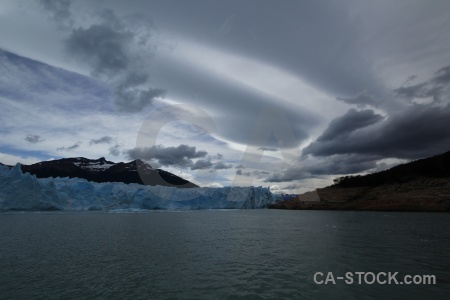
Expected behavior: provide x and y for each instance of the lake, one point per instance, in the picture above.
(221, 254)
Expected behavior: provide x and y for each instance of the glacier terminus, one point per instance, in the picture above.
(22, 191)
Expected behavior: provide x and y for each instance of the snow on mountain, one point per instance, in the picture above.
(93, 165)
(23, 191)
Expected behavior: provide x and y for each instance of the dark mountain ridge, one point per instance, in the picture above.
(102, 170)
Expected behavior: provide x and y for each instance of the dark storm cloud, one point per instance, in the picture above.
(361, 99)
(358, 140)
(348, 123)
(33, 138)
(438, 88)
(180, 156)
(59, 11)
(103, 140)
(420, 131)
(110, 49)
(74, 146)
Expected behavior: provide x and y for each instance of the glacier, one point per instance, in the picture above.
(22, 191)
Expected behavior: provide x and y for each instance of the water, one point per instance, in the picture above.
(240, 254)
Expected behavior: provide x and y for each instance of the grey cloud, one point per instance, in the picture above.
(336, 52)
(110, 48)
(240, 172)
(442, 76)
(130, 99)
(361, 99)
(354, 142)
(180, 156)
(346, 124)
(59, 11)
(255, 173)
(221, 166)
(330, 51)
(438, 88)
(114, 150)
(208, 164)
(326, 50)
(344, 164)
(32, 138)
(260, 174)
(422, 90)
(102, 47)
(74, 146)
(202, 164)
(420, 131)
(102, 140)
(240, 118)
(331, 165)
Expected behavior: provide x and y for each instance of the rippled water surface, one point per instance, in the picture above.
(234, 254)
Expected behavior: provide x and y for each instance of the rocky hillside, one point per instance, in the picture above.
(433, 167)
(101, 170)
(422, 185)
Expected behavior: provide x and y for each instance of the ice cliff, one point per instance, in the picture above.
(22, 191)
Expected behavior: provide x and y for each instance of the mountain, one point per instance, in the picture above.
(421, 185)
(102, 170)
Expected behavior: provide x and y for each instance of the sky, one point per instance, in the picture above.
(283, 94)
